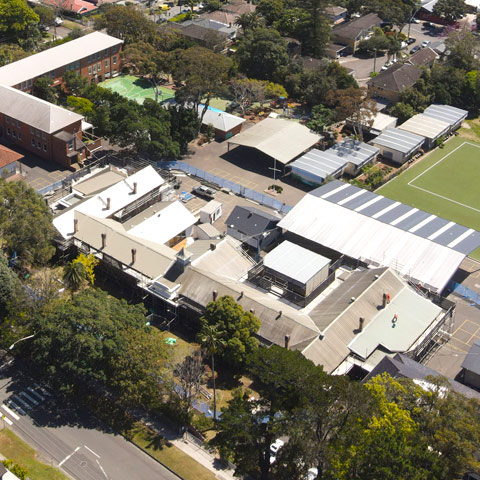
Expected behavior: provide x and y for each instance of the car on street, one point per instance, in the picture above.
(415, 49)
(425, 44)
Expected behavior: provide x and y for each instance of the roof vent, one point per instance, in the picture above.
(104, 240)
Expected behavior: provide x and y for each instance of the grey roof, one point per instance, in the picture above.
(472, 360)
(354, 28)
(35, 112)
(446, 113)
(402, 366)
(320, 163)
(334, 11)
(406, 218)
(295, 262)
(56, 57)
(423, 57)
(281, 139)
(250, 220)
(399, 140)
(397, 78)
(99, 182)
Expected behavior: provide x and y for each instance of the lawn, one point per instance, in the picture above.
(13, 448)
(169, 455)
(445, 183)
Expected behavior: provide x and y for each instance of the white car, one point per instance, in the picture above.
(416, 20)
(274, 448)
(425, 44)
(311, 474)
(58, 21)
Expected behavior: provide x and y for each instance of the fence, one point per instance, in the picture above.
(467, 293)
(223, 183)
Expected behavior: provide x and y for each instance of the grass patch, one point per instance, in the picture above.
(181, 349)
(12, 447)
(168, 454)
(454, 178)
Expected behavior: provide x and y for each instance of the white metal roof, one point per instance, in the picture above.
(211, 207)
(425, 126)
(379, 231)
(446, 113)
(164, 225)
(222, 121)
(381, 121)
(35, 112)
(295, 262)
(399, 140)
(414, 315)
(56, 57)
(120, 194)
(281, 139)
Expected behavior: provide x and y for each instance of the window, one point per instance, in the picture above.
(39, 145)
(94, 69)
(7, 120)
(99, 55)
(99, 66)
(77, 64)
(32, 131)
(8, 131)
(18, 123)
(19, 135)
(106, 53)
(115, 49)
(43, 135)
(115, 60)
(89, 70)
(37, 132)
(44, 147)
(106, 63)
(30, 83)
(14, 134)
(24, 85)
(33, 142)
(70, 145)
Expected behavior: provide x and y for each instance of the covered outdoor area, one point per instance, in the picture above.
(282, 140)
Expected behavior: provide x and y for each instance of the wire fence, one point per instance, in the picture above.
(258, 197)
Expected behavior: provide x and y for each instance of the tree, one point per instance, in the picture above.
(190, 374)
(184, 126)
(16, 469)
(25, 223)
(127, 23)
(464, 51)
(403, 111)
(43, 88)
(16, 17)
(261, 53)
(83, 106)
(237, 328)
(9, 285)
(213, 5)
(320, 118)
(11, 53)
(249, 21)
(74, 275)
(74, 83)
(210, 338)
(46, 15)
(202, 75)
(376, 43)
(313, 28)
(450, 10)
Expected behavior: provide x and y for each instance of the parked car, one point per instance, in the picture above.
(204, 191)
(415, 20)
(274, 448)
(415, 49)
(429, 25)
(58, 21)
(425, 44)
(411, 40)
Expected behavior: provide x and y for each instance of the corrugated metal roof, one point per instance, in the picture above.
(425, 126)
(380, 231)
(283, 140)
(35, 112)
(295, 262)
(446, 113)
(56, 57)
(220, 120)
(399, 140)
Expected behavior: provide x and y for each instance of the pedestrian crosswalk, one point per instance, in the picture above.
(22, 402)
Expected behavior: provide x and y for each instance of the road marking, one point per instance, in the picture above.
(6, 419)
(68, 456)
(11, 412)
(101, 468)
(33, 392)
(31, 399)
(91, 451)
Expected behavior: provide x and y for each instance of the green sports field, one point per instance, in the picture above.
(137, 89)
(445, 183)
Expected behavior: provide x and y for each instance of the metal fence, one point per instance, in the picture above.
(258, 197)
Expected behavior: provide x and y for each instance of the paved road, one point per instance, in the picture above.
(74, 442)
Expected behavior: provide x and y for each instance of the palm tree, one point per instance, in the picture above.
(249, 21)
(210, 337)
(74, 275)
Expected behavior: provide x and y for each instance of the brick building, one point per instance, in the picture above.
(47, 130)
(95, 56)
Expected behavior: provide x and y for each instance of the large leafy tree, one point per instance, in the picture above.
(11, 53)
(43, 88)
(235, 327)
(16, 17)
(9, 285)
(202, 75)
(450, 10)
(262, 53)
(25, 223)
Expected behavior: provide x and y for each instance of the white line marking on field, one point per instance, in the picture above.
(11, 412)
(68, 456)
(101, 468)
(410, 183)
(91, 451)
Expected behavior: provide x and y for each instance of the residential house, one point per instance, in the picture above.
(425, 57)
(95, 56)
(353, 32)
(336, 14)
(78, 7)
(226, 125)
(390, 83)
(9, 161)
(239, 7)
(49, 131)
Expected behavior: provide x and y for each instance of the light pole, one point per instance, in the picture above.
(21, 340)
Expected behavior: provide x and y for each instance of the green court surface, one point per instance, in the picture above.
(445, 183)
(137, 89)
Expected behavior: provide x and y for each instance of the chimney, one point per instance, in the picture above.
(241, 295)
(75, 225)
(214, 295)
(134, 188)
(252, 310)
(213, 246)
(134, 255)
(104, 240)
(287, 341)
(108, 203)
(361, 320)
(384, 300)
